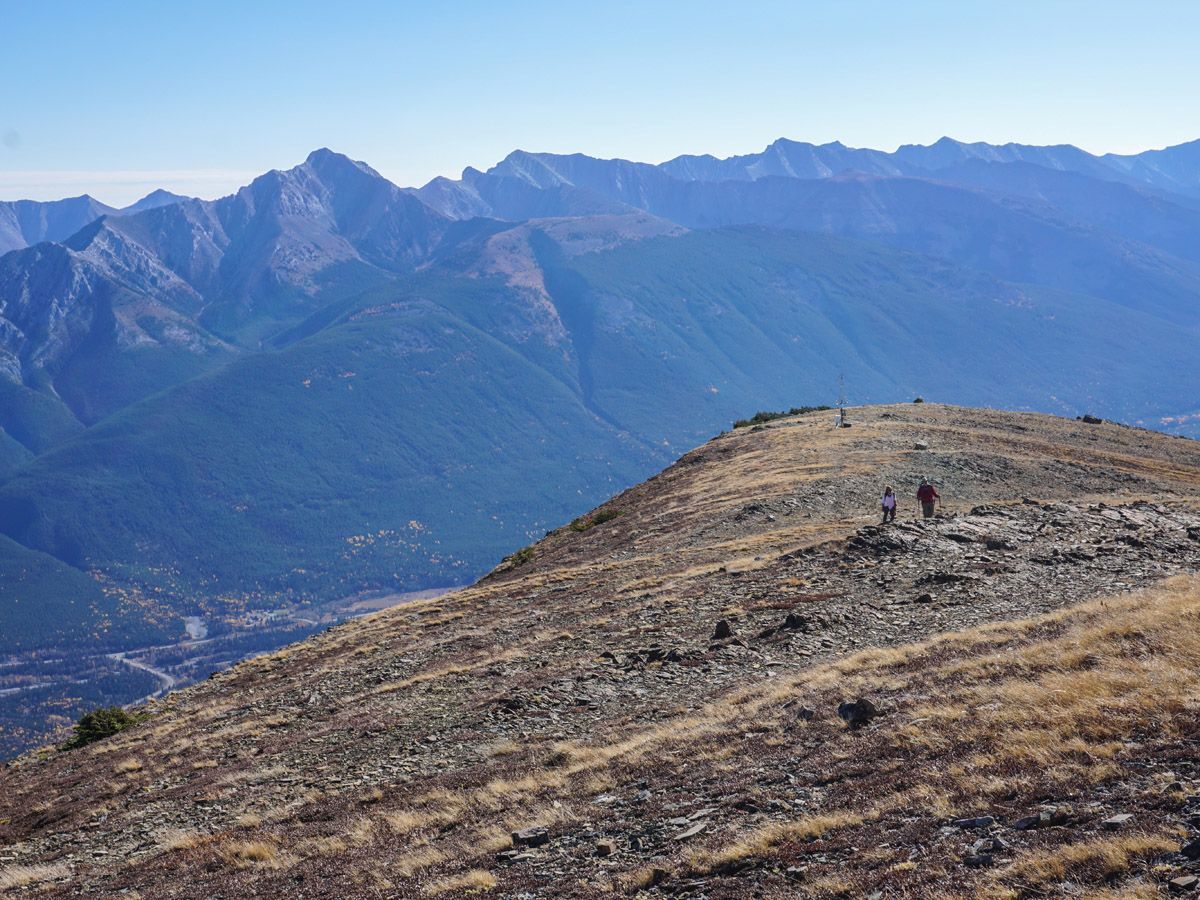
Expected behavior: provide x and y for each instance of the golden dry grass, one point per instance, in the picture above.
(361, 831)
(1041, 700)
(1094, 860)
(128, 766)
(416, 860)
(1069, 700)
(475, 881)
(1127, 892)
(15, 877)
(761, 841)
(172, 839)
(405, 821)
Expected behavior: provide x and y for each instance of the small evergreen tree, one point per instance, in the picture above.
(99, 724)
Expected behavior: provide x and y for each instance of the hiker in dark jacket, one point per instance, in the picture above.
(889, 505)
(927, 495)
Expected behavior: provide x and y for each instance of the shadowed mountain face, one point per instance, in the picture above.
(325, 384)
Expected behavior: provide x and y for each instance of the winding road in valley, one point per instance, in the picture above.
(167, 681)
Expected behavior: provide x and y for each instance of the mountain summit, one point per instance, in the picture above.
(153, 200)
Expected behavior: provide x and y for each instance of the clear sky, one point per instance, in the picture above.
(114, 98)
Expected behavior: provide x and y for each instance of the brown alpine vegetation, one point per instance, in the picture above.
(729, 681)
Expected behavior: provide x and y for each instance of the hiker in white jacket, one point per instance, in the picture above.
(889, 505)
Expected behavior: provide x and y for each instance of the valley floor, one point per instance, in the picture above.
(649, 700)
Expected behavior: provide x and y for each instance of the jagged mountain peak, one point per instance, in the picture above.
(322, 171)
(331, 162)
(326, 187)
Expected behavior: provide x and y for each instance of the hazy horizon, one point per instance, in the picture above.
(108, 100)
(122, 188)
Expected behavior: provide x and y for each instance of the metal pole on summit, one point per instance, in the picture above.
(841, 401)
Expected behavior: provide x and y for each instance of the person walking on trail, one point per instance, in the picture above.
(927, 495)
(889, 505)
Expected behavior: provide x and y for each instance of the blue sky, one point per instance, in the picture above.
(117, 98)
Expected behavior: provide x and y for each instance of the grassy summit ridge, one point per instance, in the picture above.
(652, 703)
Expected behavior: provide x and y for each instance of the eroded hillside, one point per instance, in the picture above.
(648, 698)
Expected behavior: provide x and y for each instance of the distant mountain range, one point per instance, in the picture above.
(26, 222)
(326, 384)
(526, 185)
